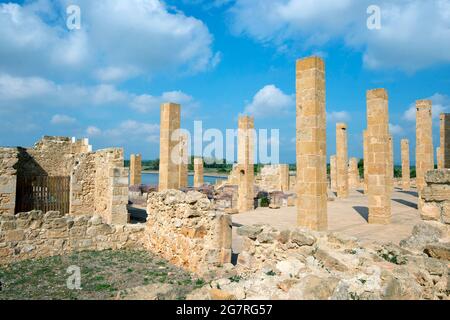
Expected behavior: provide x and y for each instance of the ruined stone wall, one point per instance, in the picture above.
(8, 179)
(183, 228)
(36, 234)
(436, 196)
(111, 185)
(82, 185)
(274, 178)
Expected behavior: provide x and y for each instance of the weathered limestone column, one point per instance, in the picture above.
(406, 181)
(184, 157)
(311, 144)
(284, 177)
(445, 140)
(342, 160)
(135, 169)
(353, 173)
(333, 173)
(424, 143)
(168, 163)
(390, 164)
(378, 153)
(440, 158)
(246, 173)
(366, 156)
(198, 172)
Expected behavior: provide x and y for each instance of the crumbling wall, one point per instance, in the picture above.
(36, 234)
(436, 196)
(82, 185)
(183, 228)
(274, 178)
(8, 179)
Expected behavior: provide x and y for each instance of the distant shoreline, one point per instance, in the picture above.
(206, 174)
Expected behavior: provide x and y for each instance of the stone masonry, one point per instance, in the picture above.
(379, 191)
(198, 172)
(135, 169)
(390, 164)
(274, 177)
(406, 180)
(184, 161)
(8, 180)
(353, 174)
(445, 140)
(311, 155)
(366, 156)
(342, 160)
(168, 152)
(424, 143)
(333, 173)
(246, 138)
(35, 234)
(436, 196)
(184, 229)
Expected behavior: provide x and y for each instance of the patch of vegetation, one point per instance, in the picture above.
(265, 202)
(271, 273)
(103, 275)
(235, 278)
(391, 257)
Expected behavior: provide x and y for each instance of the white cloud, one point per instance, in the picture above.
(414, 34)
(62, 119)
(118, 40)
(440, 104)
(270, 101)
(128, 131)
(338, 116)
(395, 129)
(148, 103)
(93, 131)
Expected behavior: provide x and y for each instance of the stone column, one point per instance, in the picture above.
(333, 173)
(378, 153)
(342, 160)
(366, 156)
(198, 172)
(424, 143)
(445, 140)
(353, 174)
(390, 164)
(135, 169)
(183, 168)
(284, 177)
(168, 159)
(406, 183)
(311, 144)
(245, 166)
(440, 158)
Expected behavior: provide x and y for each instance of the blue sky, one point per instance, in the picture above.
(218, 58)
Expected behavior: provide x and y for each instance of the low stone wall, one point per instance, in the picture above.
(435, 196)
(184, 229)
(36, 234)
(8, 180)
(273, 178)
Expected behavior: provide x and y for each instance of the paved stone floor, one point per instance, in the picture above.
(347, 216)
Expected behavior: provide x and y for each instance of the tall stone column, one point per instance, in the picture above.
(342, 160)
(445, 140)
(366, 156)
(378, 154)
(135, 169)
(311, 144)
(353, 173)
(246, 173)
(184, 157)
(406, 181)
(424, 143)
(333, 173)
(440, 158)
(168, 157)
(390, 164)
(284, 177)
(198, 172)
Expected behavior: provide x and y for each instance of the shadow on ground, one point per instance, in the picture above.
(363, 212)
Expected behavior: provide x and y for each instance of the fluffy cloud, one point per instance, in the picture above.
(62, 119)
(270, 101)
(338, 116)
(395, 129)
(441, 104)
(117, 40)
(128, 131)
(414, 34)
